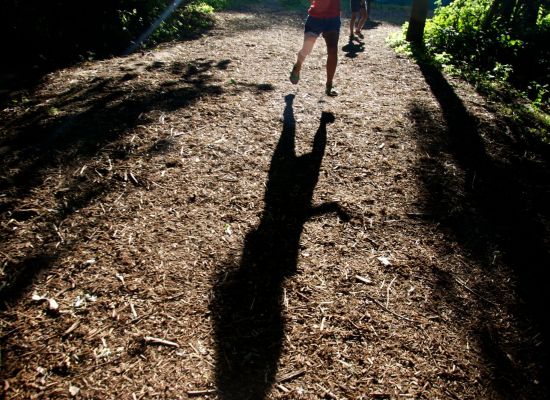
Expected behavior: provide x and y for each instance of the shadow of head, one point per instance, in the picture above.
(370, 24)
(353, 49)
(327, 117)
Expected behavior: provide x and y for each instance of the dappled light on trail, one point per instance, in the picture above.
(185, 222)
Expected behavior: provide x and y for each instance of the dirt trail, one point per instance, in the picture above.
(388, 243)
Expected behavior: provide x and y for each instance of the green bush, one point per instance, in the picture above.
(488, 50)
(186, 21)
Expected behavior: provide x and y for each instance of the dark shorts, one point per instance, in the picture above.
(356, 5)
(316, 26)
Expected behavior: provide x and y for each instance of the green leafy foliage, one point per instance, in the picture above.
(186, 22)
(507, 63)
(492, 48)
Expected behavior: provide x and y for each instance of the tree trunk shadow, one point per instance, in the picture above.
(497, 208)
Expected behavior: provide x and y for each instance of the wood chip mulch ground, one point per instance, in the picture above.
(184, 222)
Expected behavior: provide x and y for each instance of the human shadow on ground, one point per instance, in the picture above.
(352, 49)
(371, 24)
(498, 209)
(249, 322)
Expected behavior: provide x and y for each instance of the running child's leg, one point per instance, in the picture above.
(355, 6)
(331, 40)
(362, 20)
(307, 47)
(352, 25)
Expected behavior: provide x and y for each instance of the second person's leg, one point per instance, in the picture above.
(362, 20)
(352, 25)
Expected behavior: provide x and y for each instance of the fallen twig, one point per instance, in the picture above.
(290, 376)
(388, 292)
(391, 312)
(368, 281)
(282, 388)
(71, 328)
(201, 392)
(134, 179)
(328, 393)
(474, 292)
(154, 340)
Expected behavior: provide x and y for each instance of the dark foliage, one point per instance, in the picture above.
(45, 34)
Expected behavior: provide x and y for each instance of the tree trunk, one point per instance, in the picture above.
(530, 13)
(501, 11)
(419, 13)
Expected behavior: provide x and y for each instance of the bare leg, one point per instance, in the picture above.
(352, 24)
(307, 47)
(362, 20)
(331, 39)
